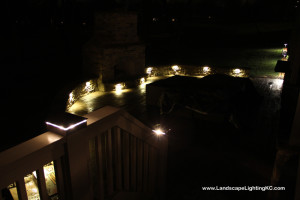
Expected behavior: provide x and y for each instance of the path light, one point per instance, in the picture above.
(71, 97)
(206, 69)
(142, 81)
(237, 71)
(88, 86)
(175, 68)
(119, 88)
(149, 70)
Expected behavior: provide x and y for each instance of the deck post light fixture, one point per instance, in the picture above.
(65, 123)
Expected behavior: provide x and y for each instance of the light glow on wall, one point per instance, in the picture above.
(66, 128)
(158, 132)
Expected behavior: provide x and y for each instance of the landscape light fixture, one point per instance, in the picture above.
(119, 87)
(237, 71)
(65, 123)
(149, 70)
(158, 132)
(175, 68)
(206, 69)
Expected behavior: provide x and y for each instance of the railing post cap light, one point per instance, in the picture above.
(64, 123)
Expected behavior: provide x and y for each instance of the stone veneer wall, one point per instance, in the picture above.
(114, 53)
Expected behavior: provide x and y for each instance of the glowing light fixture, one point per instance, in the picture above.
(237, 71)
(206, 69)
(71, 97)
(158, 132)
(65, 123)
(175, 68)
(88, 87)
(142, 81)
(66, 128)
(149, 70)
(119, 87)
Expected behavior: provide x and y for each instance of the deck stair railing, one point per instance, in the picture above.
(114, 157)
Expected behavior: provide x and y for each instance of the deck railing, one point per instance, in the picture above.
(114, 157)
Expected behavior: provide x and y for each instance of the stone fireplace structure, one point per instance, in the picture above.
(115, 52)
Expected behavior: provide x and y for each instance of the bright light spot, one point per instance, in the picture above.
(34, 190)
(149, 70)
(154, 19)
(118, 88)
(278, 84)
(285, 44)
(158, 132)
(34, 174)
(71, 97)
(88, 87)
(66, 128)
(206, 69)
(142, 81)
(237, 71)
(175, 68)
(173, 20)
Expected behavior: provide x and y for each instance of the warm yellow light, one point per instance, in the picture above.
(142, 81)
(149, 70)
(237, 71)
(34, 190)
(88, 86)
(118, 88)
(175, 68)
(66, 128)
(206, 69)
(158, 132)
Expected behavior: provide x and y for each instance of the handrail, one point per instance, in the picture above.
(131, 146)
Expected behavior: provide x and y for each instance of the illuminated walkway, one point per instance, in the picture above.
(202, 152)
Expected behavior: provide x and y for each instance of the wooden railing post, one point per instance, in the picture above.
(153, 176)
(110, 177)
(21, 189)
(140, 166)
(146, 167)
(42, 184)
(126, 160)
(101, 165)
(162, 167)
(59, 176)
(133, 161)
(78, 157)
(118, 160)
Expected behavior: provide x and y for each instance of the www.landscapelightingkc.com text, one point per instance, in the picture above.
(243, 188)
